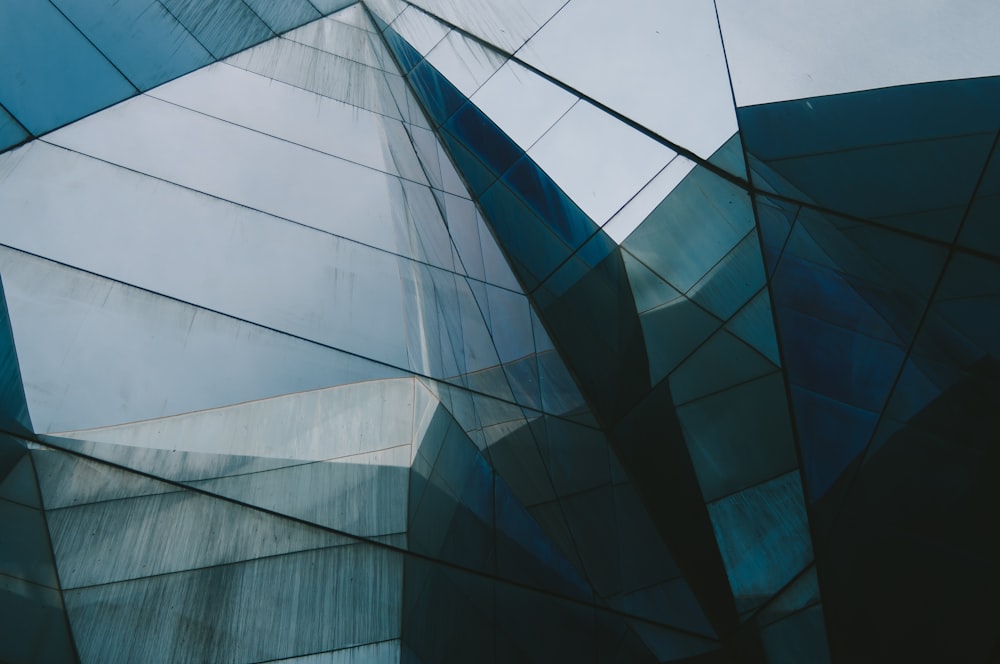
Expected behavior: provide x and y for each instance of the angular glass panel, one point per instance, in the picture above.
(693, 228)
(24, 545)
(284, 14)
(52, 75)
(14, 415)
(754, 324)
(11, 131)
(721, 362)
(328, 6)
(329, 599)
(35, 615)
(690, 105)
(504, 24)
(733, 281)
(223, 26)
(438, 96)
(672, 331)
(338, 38)
(980, 228)
(320, 72)
(739, 437)
(540, 103)
(599, 161)
(763, 534)
(295, 115)
(464, 62)
(142, 39)
(17, 476)
(638, 209)
(131, 355)
(800, 593)
(797, 638)
(419, 30)
(780, 50)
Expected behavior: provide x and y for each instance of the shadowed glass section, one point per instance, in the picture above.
(11, 131)
(14, 416)
(31, 604)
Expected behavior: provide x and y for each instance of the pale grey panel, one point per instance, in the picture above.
(467, 64)
(522, 103)
(497, 268)
(504, 23)
(320, 72)
(597, 160)
(67, 480)
(460, 214)
(339, 38)
(781, 49)
(510, 316)
(95, 352)
(763, 535)
(293, 114)
(238, 262)
(666, 70)
(261, 610)
(636, 211)
(315, 425)
(354, 16)
(419, 30)
(424, 229)
(239, 165)
(136, 537)
(363, 496)
(170, 464)
(386, 10)
(386, 652)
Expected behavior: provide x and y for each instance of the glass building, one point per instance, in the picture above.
(499, 331)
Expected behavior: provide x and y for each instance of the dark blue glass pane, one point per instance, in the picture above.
(838, 363)
(14, 416)
(222, 26)
(872, 117)
(549, 202)
(438, 96)
(406, 55)
(477, 177)
(524, 237)
(481, 136)
(982, 226)
(282, 15)
(143, 39)
(51, 74)
(831, 435)
(11, 132)
(774, 220)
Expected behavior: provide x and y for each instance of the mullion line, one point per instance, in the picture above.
(372, 542)
(953, 250)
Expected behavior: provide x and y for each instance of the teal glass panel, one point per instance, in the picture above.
(142, 38)
(223, 27)
(14, 416)
(52, 75)
(11, 131)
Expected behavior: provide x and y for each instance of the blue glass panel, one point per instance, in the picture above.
(439, 97)
(733, 281)
(11, 131)
(282, 15)
(14, 416)
(763, 534)
(34, 625)
(837, 362)
(982, 226)
(480, 135)
(730, 157)
(774, 219)
(673, 331)
(222, 26)
(525, 553)
(550, 203)
(888, 115)
(798, 638)
(17, 474)
(143, 39)
(406, 55)
(51, 74)
(754, 324)
(25, 552)
(831, 435)
(721, 362)
(477, 177)
(524, 237)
